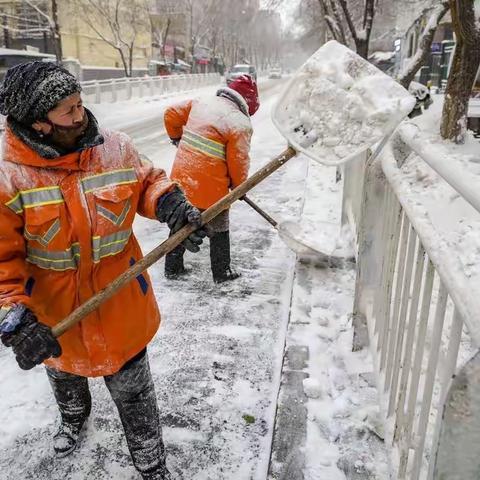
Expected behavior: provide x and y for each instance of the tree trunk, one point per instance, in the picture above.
(333, 20)
(421, 57)
(164, 39)
(57, 39)
(130, 60)
(361, 46)
(457, 95)
(462, 76)
(361, 38)
(124, 61)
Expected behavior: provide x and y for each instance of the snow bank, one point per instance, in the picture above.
(338, 105)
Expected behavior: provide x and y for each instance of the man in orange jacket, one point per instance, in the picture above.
(69, 193)
(213, 139)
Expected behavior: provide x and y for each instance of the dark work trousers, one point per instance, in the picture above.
(217, 228)
(133, 392)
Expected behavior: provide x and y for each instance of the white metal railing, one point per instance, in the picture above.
(121, 89)
(415, 302)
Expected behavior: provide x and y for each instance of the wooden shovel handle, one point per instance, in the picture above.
(169, 244)
(264, 214)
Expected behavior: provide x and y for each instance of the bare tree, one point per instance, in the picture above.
(54, 27)
(117, 23)
(348, 21)
(333, 18)
(435, 13)
(200, 21)
(361, 36)
(466, 61)
(165, 37)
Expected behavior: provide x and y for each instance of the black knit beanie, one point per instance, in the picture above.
(30, 90)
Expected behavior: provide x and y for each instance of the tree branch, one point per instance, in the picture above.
(348, 17)
(43, 14)
(338, 18)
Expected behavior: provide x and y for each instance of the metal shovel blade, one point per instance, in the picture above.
(338, 105)
(308, 252)
(292, 235)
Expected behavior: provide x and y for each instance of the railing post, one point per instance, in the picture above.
(98, 92)
(114, 91)
(151, 81)
(459, 444)
(129, 88)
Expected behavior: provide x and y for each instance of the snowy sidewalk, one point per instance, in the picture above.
(327, 389)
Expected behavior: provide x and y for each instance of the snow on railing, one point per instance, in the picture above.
(415, 301)
(120, 89)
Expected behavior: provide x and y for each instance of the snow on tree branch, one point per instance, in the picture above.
(421, 56)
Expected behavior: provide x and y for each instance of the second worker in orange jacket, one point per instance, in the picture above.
(213, 138)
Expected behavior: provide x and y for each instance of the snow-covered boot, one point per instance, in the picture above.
(66, 439)
(174, 267)
(161, 474)
(220, 258)
(134, 395)
(74, 402)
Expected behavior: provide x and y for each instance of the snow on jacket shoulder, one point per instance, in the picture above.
(66, 233)
(213, 155)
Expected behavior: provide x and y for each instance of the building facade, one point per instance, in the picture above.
(87, 35)
(438, 66)
(85, 30)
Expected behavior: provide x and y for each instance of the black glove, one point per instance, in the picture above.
(174, 209)
(32, 342)
(175, 141)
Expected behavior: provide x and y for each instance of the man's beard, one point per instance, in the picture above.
(67, 137)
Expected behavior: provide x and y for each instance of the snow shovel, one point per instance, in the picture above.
(319, 114)
(289, 233)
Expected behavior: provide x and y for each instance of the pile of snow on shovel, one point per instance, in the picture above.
(338, 105)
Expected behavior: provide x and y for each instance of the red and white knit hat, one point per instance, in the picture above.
(247, 88)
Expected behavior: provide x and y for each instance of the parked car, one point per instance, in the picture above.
(239, 70)
(275, 72)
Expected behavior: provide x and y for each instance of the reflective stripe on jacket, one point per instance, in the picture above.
(213, 155)
(66, 233)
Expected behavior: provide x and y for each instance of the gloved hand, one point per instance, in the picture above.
(32, 342)
(175, 141)
(177, 211)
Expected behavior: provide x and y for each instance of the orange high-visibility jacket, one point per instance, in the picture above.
(66, 233)
(213, 154)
